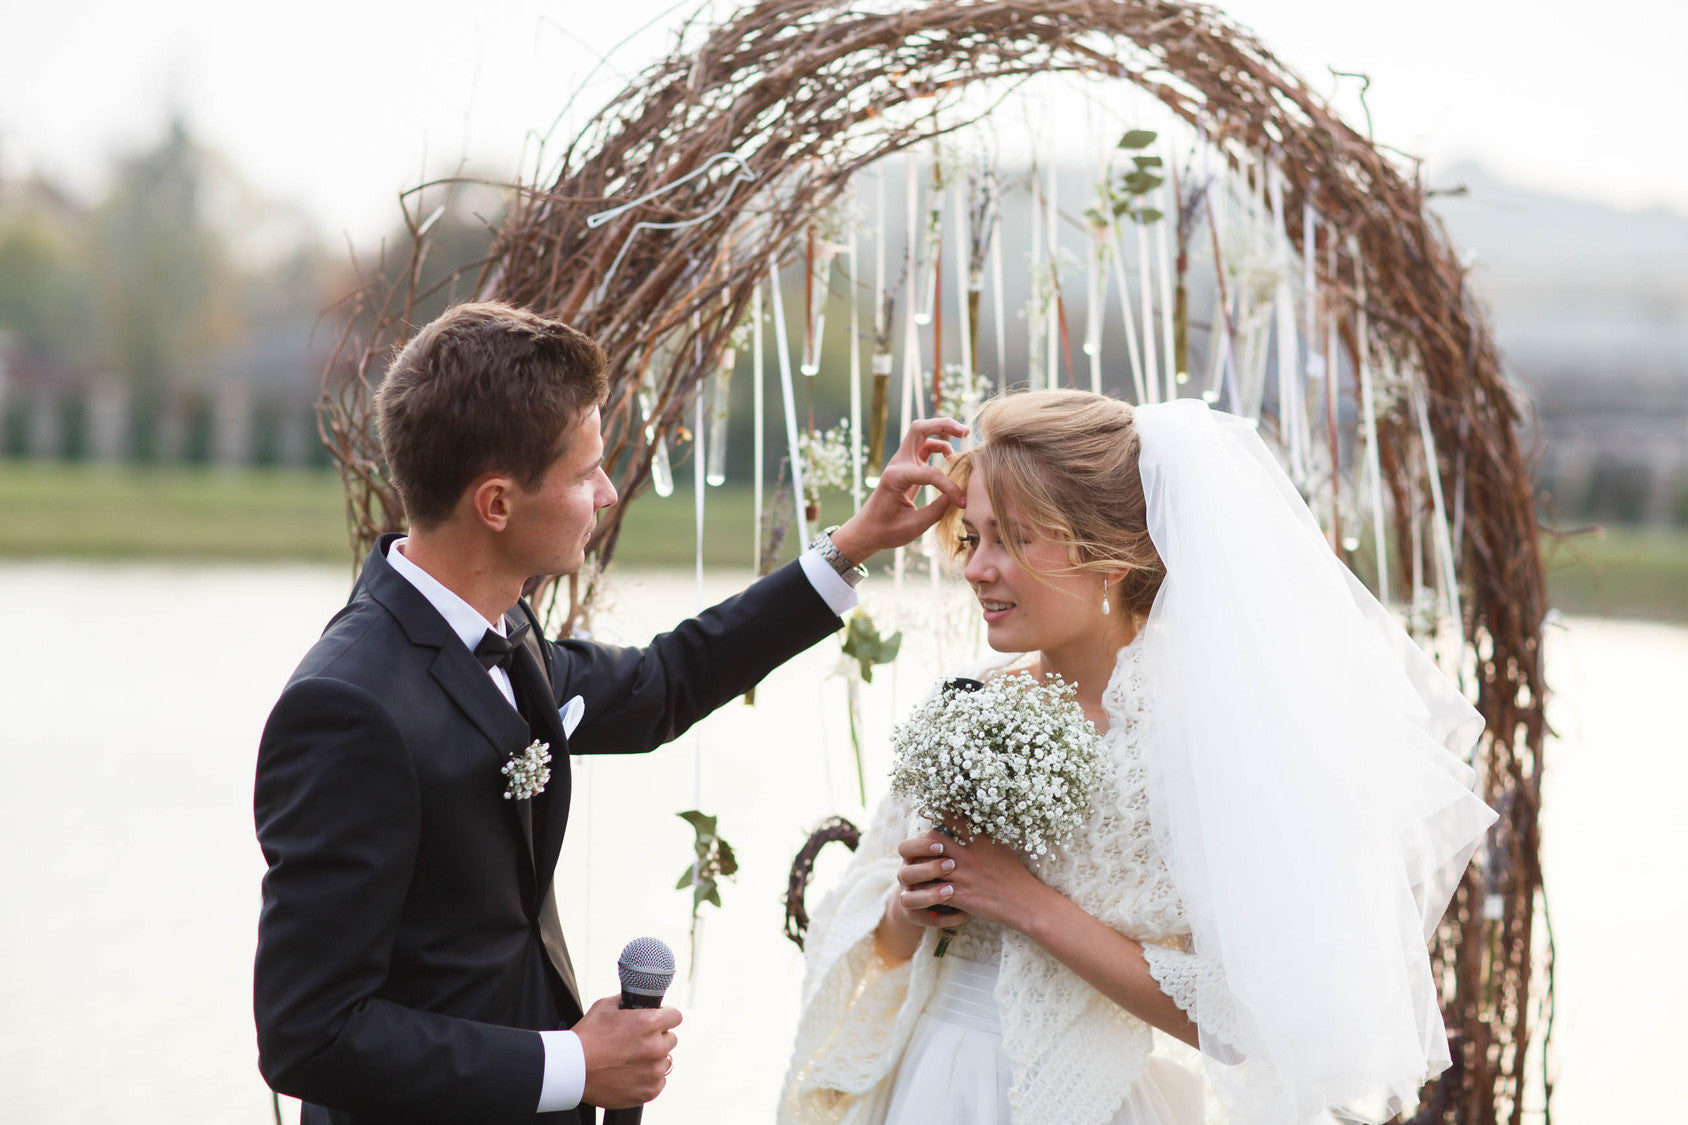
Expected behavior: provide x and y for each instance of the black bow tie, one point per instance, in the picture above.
(498, 651)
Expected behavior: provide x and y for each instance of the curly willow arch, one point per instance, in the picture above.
(805, 93)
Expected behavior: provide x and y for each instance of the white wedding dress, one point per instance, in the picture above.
(998, 1032)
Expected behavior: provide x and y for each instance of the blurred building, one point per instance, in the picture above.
(1590, 306)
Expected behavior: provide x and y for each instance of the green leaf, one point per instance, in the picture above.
(712, 895)
(1146, 161)
(1138, 138)
(705, 825)
(1139, 182)
(685, 879)
(863, 644)
(1147, 215)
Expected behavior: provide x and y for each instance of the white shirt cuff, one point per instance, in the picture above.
(565, 1071)
(838, 594)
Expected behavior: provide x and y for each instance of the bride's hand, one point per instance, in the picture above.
(990, 881)
(921, 885)
(923, 882)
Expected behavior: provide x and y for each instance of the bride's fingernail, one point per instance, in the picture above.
(937, 849)
(947, 865)
(945, 891)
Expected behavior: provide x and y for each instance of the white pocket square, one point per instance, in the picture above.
(570, 714)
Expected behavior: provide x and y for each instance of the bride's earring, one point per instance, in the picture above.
(1105, 596)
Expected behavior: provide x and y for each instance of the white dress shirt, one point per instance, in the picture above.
(565, 1059)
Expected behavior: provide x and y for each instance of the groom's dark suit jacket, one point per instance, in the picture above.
(408, 945)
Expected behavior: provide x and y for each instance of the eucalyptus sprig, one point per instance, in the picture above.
(864, 644)
(1124, 197)
(863, 647)
(714, 860)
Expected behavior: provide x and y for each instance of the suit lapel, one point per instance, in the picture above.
(551, 808)
(459, 675)
(457, 671)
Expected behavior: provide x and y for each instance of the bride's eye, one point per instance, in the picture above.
(969, 542)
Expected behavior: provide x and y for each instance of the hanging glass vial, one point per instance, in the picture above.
(1096, 297)
(818, 256)
(1037, 303)
(720, 408)
(980, 226)
(926, 293)
(884, 304)
(662, 473)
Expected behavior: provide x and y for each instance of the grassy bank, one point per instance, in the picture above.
(104, 512)
(1619, 572)
(112, 512)
(178, 514)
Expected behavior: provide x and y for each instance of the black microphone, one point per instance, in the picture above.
(646, 968)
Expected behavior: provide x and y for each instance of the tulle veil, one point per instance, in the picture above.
(1309, 790)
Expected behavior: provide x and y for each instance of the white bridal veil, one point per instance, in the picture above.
(1308, 780)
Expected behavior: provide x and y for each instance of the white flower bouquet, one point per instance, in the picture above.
(1012, 759)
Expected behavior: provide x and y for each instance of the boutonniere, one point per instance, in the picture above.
(527, 772)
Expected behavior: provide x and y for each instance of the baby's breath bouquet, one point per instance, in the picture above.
(1012, 759)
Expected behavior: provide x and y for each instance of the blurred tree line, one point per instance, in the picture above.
(181, 315)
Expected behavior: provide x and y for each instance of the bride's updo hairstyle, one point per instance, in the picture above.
(1065, 461)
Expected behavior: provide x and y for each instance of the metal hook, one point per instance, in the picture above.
(744, 175)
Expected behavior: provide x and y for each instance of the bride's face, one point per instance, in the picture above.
(1041, 606)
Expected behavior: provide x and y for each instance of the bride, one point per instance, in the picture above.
(1287, 813)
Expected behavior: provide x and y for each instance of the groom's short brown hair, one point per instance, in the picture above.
(487, 387)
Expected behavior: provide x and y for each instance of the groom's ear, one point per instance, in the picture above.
(489, 501)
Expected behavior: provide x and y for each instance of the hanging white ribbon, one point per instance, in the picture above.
(758, 414)
(793, 450)
(1368, 420)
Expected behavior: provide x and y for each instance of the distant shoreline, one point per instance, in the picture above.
(112, 514)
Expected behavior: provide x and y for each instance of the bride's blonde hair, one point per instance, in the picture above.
(1065, 461)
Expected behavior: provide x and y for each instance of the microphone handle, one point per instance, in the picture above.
(632, 1114)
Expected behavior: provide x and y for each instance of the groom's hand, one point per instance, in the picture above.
(890, 517)
(628, 1052)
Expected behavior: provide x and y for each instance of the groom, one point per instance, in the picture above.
(410, 964)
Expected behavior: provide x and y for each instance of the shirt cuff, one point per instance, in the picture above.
(565, 1071)
(839, 595)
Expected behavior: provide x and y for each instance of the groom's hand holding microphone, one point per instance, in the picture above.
(628, 1040)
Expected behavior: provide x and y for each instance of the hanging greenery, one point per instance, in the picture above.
(714, 861)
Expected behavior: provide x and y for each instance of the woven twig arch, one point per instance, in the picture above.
(807, 92)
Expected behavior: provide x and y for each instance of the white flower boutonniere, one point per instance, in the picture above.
(527, 772)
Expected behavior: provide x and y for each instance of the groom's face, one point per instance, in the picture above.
(554, 522)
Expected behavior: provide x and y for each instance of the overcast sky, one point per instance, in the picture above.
(338, 105)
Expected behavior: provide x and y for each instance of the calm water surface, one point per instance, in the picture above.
(133, 698)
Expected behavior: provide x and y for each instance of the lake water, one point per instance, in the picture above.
(133, 697)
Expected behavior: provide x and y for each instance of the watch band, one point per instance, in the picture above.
(847, 570)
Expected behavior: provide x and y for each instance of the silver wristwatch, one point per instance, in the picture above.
(848, 571)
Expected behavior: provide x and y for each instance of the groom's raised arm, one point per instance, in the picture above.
(337, 807)
(637, 699)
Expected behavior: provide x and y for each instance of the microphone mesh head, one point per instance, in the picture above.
(646, 966)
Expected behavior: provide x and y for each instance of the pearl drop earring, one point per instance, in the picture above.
(1105, 596)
